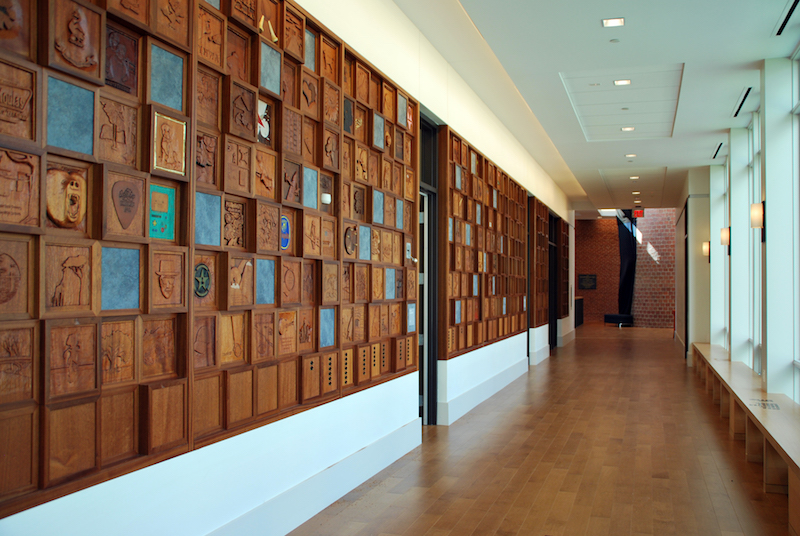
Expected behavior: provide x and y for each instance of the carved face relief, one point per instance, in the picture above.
(168, 272)
(66, 197)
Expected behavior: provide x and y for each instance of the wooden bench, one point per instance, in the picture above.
(769, 423)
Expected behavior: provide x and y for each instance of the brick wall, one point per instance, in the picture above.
(654, 290)
(597, 252)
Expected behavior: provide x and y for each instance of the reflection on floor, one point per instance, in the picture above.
(612, 435)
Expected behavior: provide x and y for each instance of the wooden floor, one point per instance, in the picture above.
(612, 435)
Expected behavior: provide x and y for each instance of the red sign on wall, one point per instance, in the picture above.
(638, 213)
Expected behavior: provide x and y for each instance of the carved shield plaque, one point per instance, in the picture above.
(76, 38)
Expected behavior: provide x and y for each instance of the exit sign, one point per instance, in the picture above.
(638, 213)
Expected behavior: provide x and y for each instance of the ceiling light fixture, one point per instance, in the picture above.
(635, 177)
(636, 193)
(613, 23)
(595, 84)
(628, 129)
(622, 82)
(624, 109)
(637, 201)
(630, 156)
(614, 41)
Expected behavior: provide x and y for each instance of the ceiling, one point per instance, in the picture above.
(547, 70)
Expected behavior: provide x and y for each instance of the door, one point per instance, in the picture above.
(426, 266)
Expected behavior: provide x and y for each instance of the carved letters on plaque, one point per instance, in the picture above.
(210, 37)
(16, 102)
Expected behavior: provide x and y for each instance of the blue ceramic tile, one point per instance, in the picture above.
(311, 51)
(458, 312)
(310, 179)
(469, 235)
(327, 327)
(450, 229)
(120, 279)
(458, 177)
(478, 212)
(411, 315)
(402, 109)
(166, 78)
(504, 306)
(207, 219)
(494, 286)
(524, 303)
(265, 277)
(270, 68)
(377, 207)
(494, 198)
(364, 243)
(399, 222)
(474, 285)
(377, 131)
(214, 3)
(70, 116)
(389, 280)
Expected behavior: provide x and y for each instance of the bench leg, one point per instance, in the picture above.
(737, 422)
(794, 504)
(776, 472)
(715, 387)
(753, 443)
(724, 403)
(709, 380)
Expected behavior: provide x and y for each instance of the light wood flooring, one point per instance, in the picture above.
(612, 435)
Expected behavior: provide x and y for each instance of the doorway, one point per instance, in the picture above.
(427, 269)
(553, 294)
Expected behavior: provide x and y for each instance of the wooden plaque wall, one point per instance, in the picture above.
(207, 219)
(539, 218)
(563, 268)
(483, 268)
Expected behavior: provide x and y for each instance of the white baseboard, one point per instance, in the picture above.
(290, 509)
(567, 338)
(540, 355)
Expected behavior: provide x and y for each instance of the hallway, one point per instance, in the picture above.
(612, 435)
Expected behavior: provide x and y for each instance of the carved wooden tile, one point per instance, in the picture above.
(351, 241)
(389, 210)
(207, 101)
(411, 284)
(376, 245)
(306, 330)
(362, 82)
(17, 101)
(233, 338)
(245, 11)
(309, 288)
(292, 132)
(17, 27)
(310, 95)
(347, 282)
(399, 283)
(292, 182)
(348, 158)
(374, 92)
(124, 205)
(361, 124)
(242, 111)
(331, 103)
(310, 141)
(68, 278)
(204, 342)
(374, 169)
(19, 186)
(118, 134)
(397, 249)
(388, 101)
(169, 144)
(266, 165)
(289, 84)
(330, 150)
(207, 159)
(347, 326)
(235, 217)
(359, 323)
(118, 351)
(410, 185)
(270, 25)
(377, 283)
(348, 80)
(361, 164)
(361, 283)
(266, 123)
(330, 283)
(67, 199)
(159, 347)
(330, 59)
(263, 336)
(238, 162)
(71, 442)
(72, 359)
(287, 332)
(172, 21)
(240, 281)
(384, 320)
(211, 31)
(386, 246)
(348, 116)
(294, 34)
(268, 227)
(17, 348)
(291, 281)
(238, 60)
(312, 235)
(329, 240)
(167, 280)
(347, 200)
(75, 38)
(204, 280)
(374, 322)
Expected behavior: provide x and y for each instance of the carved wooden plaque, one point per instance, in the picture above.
(347, 325)
(270, 25)
(124, 205)
(233, 338)
(331, 103)
(268, 227)
(376, 245)
(362, 82)
(348, 80)
(329, 238)
(330, 283)
(287, 332)
(410, 188)
(172, 20)
(310, 140)
(240, 281)
(17, 101)
(289, 232)
(309, 287)
(238, 60)
(377, 283)
(245, 12)
(374, 322)
(289, 84)
(242, 111)
(207, 100)
(266, 165)
(310, 95)
(360, 123)
(348, 156)
(19, 179)
(347, 282)
(386, 246)
(384, 320)
(330, 59)
(204, 280)
(159, 356)
(388, 101)
(72, 359)
(374, 167)
(117, 351)
(312, 235)
(397, 249)
(66, 196)
(68, 278)
(411, 284)
(264, 336)
(347, 200)
(389, 210)
(330, 150)
(17, 25)
(359, 323)
(292, 132)
(17, 348)
(207, 159)
(235, 217)
(294, 34)
(166, 280)
(306, 330)
(361, 164)
(119, 132)
(361, 283)
(76, 38)
(291, 281)
(238, 161)
(169, 144)
(211, 33)
(292, 182)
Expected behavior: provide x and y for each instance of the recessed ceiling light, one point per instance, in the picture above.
(635, 177)
(613, 23)
(624, 109)
(622, 82)
(614, 41)
(636, 193)
(628, 129)
(630, 156)
(637, 201)
(595, 84)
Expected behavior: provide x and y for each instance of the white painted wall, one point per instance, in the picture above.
(740, 278)
(467, 380)
(538, 344)
(202, 490)
(698, 273)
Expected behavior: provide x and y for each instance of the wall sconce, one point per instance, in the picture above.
(725, 237)
(757, 213)
(707, 250)
(326, 199)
